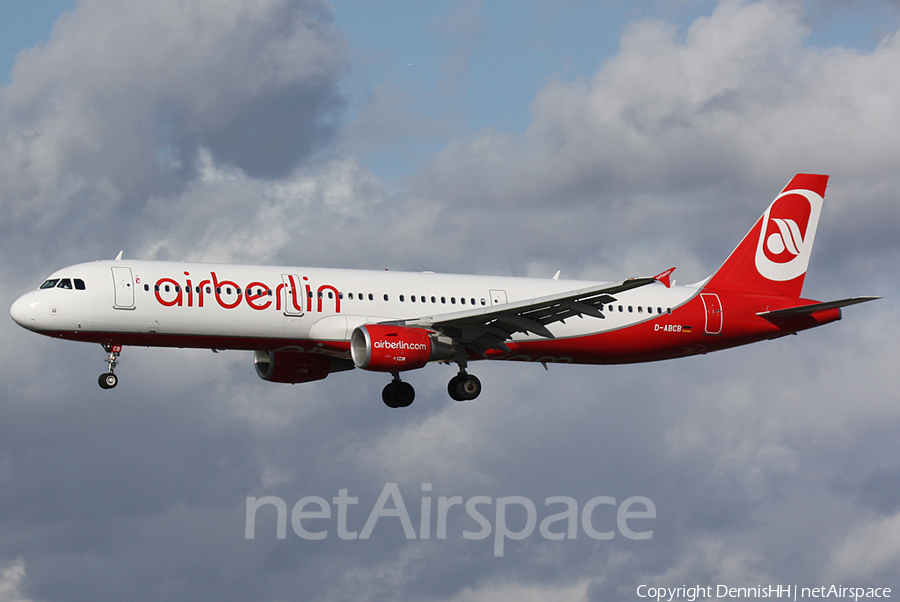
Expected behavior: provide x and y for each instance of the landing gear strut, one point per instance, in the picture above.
(108, 380)
(464, 386)
(398, 394)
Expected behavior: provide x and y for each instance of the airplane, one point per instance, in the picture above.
(305, 323)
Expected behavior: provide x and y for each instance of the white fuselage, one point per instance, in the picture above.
(239, 306)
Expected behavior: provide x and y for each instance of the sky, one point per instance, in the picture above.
(602, 139)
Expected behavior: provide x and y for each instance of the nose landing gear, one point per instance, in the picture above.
(108, 380)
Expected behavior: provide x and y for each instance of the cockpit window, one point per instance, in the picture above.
(65, 283)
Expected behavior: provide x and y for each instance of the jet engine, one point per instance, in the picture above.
(383, 348)
(296, 367)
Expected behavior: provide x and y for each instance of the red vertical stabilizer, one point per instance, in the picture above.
(773, 257)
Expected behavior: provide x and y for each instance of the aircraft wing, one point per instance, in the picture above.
(487, 328)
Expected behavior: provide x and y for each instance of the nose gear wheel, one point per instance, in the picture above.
(108, 379)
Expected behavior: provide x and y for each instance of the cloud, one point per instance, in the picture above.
(710, 120)
(116, 106)
(11, 579)
(869, 551)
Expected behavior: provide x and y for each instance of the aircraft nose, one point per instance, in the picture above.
(22, 311)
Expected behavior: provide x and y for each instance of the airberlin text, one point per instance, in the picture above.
(399, 345)
(514, 517)
(287, 296)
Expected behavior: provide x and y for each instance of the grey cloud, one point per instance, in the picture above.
(718, 118)
(115, 107)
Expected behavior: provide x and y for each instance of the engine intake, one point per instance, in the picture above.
(383, 348)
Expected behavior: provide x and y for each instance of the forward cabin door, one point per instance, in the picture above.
(124, 287)
(713, 313)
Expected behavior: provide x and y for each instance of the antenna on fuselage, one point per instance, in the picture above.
(119, 256)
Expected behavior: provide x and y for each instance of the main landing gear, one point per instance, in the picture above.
(108, 380)
(398, 394)
(462, 387)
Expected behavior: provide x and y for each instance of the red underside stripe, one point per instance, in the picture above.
(669, 336)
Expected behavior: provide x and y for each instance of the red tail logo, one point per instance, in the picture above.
(786, 228)
(773, 257)
(785, 240)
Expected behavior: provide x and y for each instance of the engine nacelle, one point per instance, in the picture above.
(383, 348)
(296, 367)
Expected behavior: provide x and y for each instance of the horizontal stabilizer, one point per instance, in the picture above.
(805, 310)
